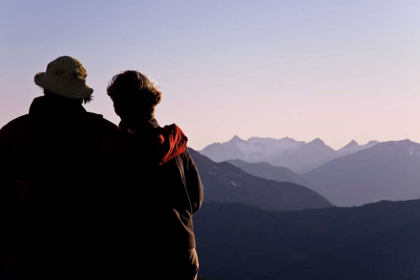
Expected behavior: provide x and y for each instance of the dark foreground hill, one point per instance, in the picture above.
(227, 183)
(370, 242)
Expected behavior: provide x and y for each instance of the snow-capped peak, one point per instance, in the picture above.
(236, 138)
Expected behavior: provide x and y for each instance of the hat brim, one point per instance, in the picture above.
(75, 94)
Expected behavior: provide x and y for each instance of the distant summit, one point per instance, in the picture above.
(254, 149)
(262, 139)
(350, 145)
(316, 142)
(235, 139)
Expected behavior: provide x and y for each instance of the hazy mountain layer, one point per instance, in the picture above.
(228, 183)
(306, 157)
(387, 171)
(271, 172)
(375, 241)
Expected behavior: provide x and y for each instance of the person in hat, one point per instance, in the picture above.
(61, 169)
(172, 193)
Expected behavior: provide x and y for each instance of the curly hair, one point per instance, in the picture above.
(134, 95)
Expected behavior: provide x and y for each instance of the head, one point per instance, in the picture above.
(134, 95)
(65, 77)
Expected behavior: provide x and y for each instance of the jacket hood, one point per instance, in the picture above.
(174, 138)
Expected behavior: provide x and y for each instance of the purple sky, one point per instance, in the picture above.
(335, 70)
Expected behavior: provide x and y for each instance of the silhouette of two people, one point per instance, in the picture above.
(82, 197)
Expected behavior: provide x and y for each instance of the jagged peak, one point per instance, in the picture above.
(236, 138)
(316, 141)
(352, 144)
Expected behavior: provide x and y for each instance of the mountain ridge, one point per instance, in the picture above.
(386, 171)
(299, 156)
(268, 171)
(374, 241)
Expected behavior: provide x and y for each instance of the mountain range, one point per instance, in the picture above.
(353, 176)
(251, 228)
(225, 182)
(298, 156)
(254, 149)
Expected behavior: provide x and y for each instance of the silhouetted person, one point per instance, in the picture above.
(59, 173)
(158, 239)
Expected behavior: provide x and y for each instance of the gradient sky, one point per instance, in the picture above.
(335, 70)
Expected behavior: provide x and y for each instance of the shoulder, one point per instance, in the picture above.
(113, 138)
(104, 124)
(17, 122)
(15, 128)
(100, 119)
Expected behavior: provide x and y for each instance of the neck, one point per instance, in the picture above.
(138, 123)
(58, 98)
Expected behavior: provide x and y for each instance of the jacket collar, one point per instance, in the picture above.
(48, 106)
(139, 125)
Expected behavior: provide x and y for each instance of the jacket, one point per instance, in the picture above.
(55, 187)
(164, 199)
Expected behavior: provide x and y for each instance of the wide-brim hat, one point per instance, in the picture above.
(65, 76)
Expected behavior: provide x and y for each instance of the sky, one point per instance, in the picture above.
(335, 70)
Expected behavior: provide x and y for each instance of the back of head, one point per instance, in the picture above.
(134, 95)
